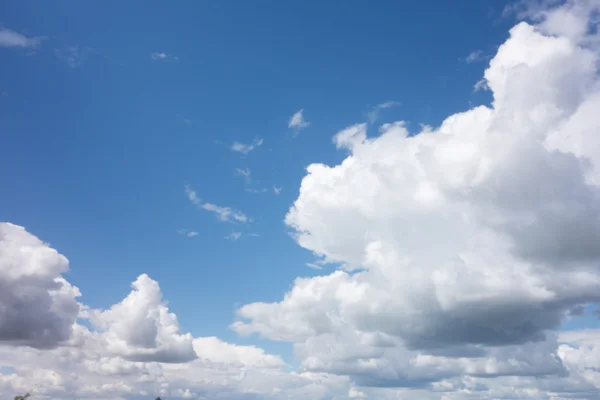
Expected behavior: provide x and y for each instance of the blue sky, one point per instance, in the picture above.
(118, 132)
(97, 155)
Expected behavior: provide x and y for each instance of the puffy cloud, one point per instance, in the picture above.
(214, 350)
(462, 247)
(86, 370)
(9, 38)
(37, 305)
(133, 349)
(461, 250)
(141, 328)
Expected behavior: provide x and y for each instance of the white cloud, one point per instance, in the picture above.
(297, 121)
(375, 112)
(9, 38)
(353, 393)
(475, 56)
(141, 328)
(187, 233)
(234, 236)
(246, 148)
(464, 246)
(37, 305)
(133, 350)
(160, 56)
(226, 214)
(276, 190)
(257, 191)
(215, 350)
(73, 56)
(244, 173)
(314, 266)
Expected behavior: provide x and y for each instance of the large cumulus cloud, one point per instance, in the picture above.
(132, 349)
(478, 235)
(462, 249)
(141, 328)
(37, 305)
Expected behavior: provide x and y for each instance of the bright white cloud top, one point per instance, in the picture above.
(463, 248)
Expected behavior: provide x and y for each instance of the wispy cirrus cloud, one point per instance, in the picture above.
(187, 233)
(297, 121)
(161, 56)
(314, 266)
(375, 112)
(246, 148)
(226, 214)
(244, 173)
(476, 56)
(10, 38)
(73, 56)
(234, 236)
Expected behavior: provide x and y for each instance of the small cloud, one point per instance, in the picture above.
(226, 214)
(187, 233)
(476, 56)
(192, 196)
(246, 148)
(245, 173)
(297, 121)
(276, 190)
(159, 56)
(389, 104)
(257, 191)
(183, 119)
(481, 85)
(9, 38)
(314, 266)
(254, 235)
(73, 56)
(375, 112)
(234, 236)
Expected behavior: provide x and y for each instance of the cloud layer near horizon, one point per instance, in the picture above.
(463, 248)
